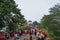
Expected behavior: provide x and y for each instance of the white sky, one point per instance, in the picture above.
(35, 9)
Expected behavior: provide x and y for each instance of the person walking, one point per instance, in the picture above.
(35, 32)
(31, 37)
(38, 38)
(14, 38)
(41, 36)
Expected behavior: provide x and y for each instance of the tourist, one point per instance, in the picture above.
(35, 32)
(31, 37)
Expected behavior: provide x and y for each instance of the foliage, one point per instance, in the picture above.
(10, 15)
(35, 23)
(25, 28)
(52, 22)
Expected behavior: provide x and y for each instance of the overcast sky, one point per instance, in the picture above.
(35, 9)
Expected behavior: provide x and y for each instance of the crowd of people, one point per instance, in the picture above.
(38, 35)
(16, 34)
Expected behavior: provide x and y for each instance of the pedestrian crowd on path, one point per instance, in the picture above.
(38, 35)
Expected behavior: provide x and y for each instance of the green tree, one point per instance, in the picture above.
(35, 23)
(56, 11)
(9, 14)
(52, 22)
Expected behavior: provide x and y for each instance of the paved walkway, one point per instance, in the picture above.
(24, 36)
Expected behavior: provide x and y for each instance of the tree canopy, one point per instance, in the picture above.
(10, 15)
(52, 22)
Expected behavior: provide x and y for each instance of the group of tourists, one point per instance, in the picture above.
(38, 35)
